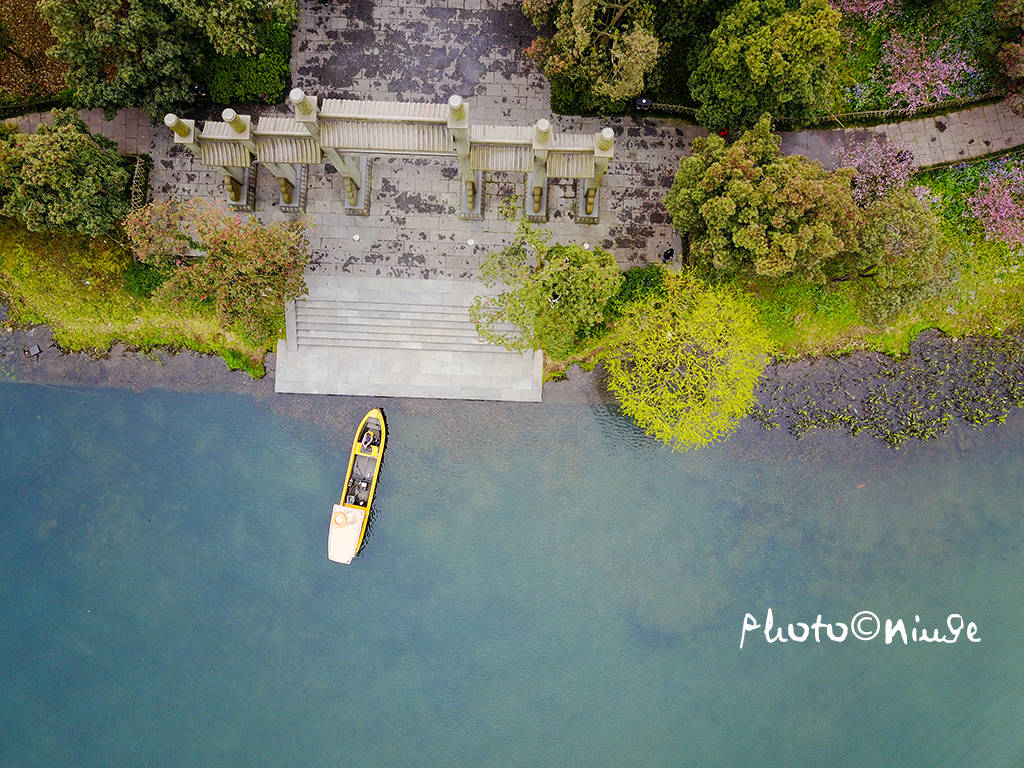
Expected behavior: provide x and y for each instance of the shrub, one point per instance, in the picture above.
(61, 177)
(141, 280)
(881, 166)
(766, 56)
(684, 363)
(246, 269)
(638, 284)
(259, 78)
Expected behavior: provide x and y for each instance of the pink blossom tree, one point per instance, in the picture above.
(999, 205)
(882, 166)
(916, 77)
(866, 9)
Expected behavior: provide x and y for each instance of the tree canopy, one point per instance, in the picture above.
(546, 306)
(746, 207)
(147, 53)
(133, 53)
(683, 364)
(771, 56)
(62, 177)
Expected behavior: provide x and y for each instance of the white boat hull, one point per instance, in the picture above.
(346, 529)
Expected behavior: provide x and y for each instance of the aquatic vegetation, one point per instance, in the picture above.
(979, 380)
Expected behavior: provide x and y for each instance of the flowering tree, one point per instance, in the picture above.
(247, 269)
(999, 204)
(881, 165)
(916, 77)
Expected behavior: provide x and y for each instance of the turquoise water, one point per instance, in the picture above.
(166, 599)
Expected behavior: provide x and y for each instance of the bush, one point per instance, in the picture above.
(141, 280)
(260, 78)
(685, 362)
(638, 284)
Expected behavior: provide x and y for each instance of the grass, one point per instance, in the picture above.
(80, 287)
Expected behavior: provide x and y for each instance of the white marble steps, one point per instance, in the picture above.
(396, 337)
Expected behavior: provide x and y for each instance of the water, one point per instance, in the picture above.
(542, 586)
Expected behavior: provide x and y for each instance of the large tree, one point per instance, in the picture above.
(61, 177)
(683, 363)
(125, 53)
(600, 52)
(232, 26)
(745, 207)
(901, 252)
(769, 56)
(543, 304)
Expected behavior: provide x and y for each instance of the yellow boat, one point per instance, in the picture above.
(349, 518)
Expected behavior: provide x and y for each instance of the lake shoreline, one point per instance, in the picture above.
(980, 378)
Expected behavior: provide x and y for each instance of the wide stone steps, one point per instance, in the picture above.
(400, 338)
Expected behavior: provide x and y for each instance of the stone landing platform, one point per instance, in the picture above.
(391, 337)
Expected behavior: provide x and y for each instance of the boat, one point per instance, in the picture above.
(351, 515)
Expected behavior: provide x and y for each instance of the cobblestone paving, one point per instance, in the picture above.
(409, 50)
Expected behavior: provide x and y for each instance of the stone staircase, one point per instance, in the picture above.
(393, 337)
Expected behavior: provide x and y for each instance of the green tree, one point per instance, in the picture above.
(246, 269)
(901, 252)
(233, 26)
(769, 56)
(61, 177)
(548, 306)
(125, 53)
(600, 53)
(684, 363)
(746, 207)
